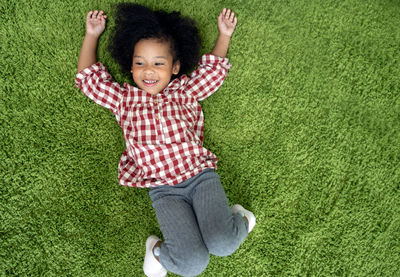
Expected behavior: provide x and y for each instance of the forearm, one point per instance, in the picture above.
(87, 56)
(221, 46)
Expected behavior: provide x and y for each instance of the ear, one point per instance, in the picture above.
(176, 67)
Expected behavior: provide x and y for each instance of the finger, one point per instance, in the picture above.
(89, 15)
(95, 14)
(223, 12)
(234, 21)
(220, 19)
(232, 17)
(101, 15)
(228, 13)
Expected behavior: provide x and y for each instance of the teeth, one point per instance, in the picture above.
(150, 82)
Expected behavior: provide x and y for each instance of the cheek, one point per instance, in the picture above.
(166, 73)
(135, 74)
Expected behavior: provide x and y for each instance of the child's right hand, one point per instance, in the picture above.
(95, 23)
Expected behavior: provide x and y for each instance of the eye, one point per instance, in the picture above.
(159, 63)
(138, 63)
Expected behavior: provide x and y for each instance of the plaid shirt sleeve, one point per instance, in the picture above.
(208, 77)
(97, 84)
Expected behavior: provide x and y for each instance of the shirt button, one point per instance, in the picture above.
(156, 102)
(157, 117)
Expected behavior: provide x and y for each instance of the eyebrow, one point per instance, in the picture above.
(157, 57)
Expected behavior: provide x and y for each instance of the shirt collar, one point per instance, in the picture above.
(175, 84)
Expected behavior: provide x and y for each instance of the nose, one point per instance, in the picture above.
(148, 70)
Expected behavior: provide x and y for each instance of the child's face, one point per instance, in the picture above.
(152, 65)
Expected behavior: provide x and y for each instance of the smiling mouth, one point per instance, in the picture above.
(150, 83)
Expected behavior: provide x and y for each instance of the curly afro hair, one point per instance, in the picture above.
(134, 22)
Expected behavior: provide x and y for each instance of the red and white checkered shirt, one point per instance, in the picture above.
(163, 132)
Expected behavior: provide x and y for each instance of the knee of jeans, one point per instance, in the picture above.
(222, 245)
(192, 263)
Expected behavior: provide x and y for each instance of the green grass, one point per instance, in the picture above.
(306, 127)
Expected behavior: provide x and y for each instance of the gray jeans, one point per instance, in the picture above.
(196, 220)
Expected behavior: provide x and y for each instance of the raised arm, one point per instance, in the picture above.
(95, 25)
(226, 25)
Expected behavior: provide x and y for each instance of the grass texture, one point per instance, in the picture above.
(306, 128)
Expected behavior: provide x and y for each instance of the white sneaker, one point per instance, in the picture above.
(151, 267)
(238, 209)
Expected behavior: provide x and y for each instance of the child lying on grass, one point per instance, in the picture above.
(162, 122)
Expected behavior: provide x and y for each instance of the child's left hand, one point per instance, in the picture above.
(227, 22)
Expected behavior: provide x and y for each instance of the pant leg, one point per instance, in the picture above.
(221, 230)
(183, 251)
